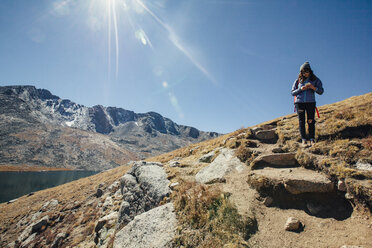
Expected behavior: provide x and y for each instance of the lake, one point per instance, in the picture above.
(16, 184)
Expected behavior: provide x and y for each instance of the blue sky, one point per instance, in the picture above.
(217, 65)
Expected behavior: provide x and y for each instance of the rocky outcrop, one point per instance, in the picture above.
(105, 229)
(30, 232)
(225, 162)
(58, 240)
(295, 180)
(143, 188)
(300, 188)
(275, 160)
(155, 228)
(207, 158)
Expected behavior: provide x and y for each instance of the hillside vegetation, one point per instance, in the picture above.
(248, 206)
(343, 134)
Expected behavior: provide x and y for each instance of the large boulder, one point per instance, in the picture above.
(295, 180)
(105, 229)
(265, 134)
(143, 188)
(220, 167)
(207, 158)
(275, 160)
(155, 228)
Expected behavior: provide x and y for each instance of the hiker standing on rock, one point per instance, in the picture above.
(303, 90)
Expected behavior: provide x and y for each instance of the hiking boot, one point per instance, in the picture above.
(304, 143)
(312, 142)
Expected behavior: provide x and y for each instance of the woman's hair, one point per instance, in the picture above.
(301, 77)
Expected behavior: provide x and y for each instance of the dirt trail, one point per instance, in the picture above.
(317, 232)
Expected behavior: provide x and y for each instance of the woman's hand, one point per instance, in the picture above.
(308, 86)
(311, 86)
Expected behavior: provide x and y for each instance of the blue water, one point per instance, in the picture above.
(16, 184)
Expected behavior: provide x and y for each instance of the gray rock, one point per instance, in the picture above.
(117, 194)
(295, 180)
(174, 164)
(114, 187)
(27, 242)
(207, 158)
(35, 216)
(58, 240)
(173, 185)
(11, 201)
(127, 212)
(45, 206)
(157, 163)
(25, 234)
(194, 149)
(106, 220)
(153, 180)
(143, 187)
(108, 203)
(53, 203)
(255, 130)
(40, 225)
(292, 224)
(360, 165)
(265, 135)
(225, 162)
(276, 160)
(11, 245)
(127, 182)
(105, 229)
(155, 228)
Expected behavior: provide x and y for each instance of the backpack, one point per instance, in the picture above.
(294, 101)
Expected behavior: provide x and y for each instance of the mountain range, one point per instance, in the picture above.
(41, 129)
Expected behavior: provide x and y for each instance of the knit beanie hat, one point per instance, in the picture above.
(306, 65)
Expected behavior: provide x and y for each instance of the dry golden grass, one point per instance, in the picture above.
(199, 149)
(206, 216)
(344, 133)
(208, 219)
(73, 195)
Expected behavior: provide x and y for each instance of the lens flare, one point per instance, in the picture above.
(173, 37)
(131, 10)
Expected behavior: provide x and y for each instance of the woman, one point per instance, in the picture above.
(303, 90)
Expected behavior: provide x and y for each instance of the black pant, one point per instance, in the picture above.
(309, 108)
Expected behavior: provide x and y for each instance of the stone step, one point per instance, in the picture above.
(294, 180)
(299, 188)
(277, 160)
(216, 171)
(266, 134)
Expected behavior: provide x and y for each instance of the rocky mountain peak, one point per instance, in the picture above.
(28, 110)
(98, 118)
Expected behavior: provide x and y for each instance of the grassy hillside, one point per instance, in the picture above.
(343, 134)
(230, 214)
